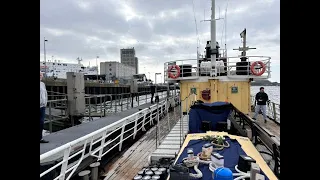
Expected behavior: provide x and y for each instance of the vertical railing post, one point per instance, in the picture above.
(115, 102)
(151, 118)
(64, 165)
(104, 134)
(96, 100)
(274, 111)
(111, 100)
(167, 109)
(135, 126)
(50, 117)
(101, 104)
(122, 133)
(128, 101)
(144, 119)
(121, 103)
(89, 108)
(104, 106)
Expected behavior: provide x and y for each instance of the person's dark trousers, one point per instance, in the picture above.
(152, 95)
(42, 115)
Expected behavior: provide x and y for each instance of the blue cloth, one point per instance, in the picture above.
(231, 156)
(214, 112)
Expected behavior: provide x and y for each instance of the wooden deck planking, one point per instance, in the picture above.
(136, 157)
(270, 125)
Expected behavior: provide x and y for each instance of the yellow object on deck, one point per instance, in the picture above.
(246, 145)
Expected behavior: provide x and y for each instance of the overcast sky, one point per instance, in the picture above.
(160, 30)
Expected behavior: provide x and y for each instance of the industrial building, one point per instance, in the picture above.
(128, 57)
(115, 70)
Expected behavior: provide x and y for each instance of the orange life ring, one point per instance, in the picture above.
(171, 75)
(254, 71)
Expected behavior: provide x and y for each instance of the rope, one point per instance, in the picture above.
(194, 162)
(220, 147)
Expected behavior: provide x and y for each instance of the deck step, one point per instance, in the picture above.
(170, 146)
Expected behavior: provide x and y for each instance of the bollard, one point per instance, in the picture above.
(84, 175)
(255, 169)
(94, 169)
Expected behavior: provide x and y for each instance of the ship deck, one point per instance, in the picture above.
(246, 145)
(273, 127)
(67, 135)
(136, 157)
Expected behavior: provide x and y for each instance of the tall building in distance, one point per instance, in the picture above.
(137, 65)
(128, 57)
(114, 69)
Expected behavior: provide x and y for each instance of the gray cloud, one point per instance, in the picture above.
(160, 30)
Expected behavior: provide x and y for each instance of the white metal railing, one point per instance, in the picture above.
(78, 147)
(231, 67)
(273, 109)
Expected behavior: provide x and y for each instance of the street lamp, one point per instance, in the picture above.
(97, 66)
(156, 92)
(45, 61)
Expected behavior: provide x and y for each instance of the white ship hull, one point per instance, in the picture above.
(59, 70)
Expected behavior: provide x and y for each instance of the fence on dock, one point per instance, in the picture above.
(97, 106)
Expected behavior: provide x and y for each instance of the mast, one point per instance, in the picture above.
(213, 38)
(244, 47)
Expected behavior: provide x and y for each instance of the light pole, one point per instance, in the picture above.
(44, 55)
(97, 66)
(156, 92)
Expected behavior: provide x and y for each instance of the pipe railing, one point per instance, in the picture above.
(56, 110)
(99, 137)
(232, 67)
(96, 105)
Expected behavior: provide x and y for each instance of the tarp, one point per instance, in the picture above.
(214, 112)
(231, 156)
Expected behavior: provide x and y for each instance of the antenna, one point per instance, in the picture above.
(244, 47)
(225, 28)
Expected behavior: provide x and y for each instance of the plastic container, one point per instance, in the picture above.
(222, 174)
(217, 159)
(190, 153)
(207, 150)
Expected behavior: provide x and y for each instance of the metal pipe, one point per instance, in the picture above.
(94, 170)
(84, 175)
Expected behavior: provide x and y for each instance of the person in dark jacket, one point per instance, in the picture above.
(261, 101)
(153, 90)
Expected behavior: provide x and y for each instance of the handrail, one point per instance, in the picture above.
(230, 67)
(101, 135)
